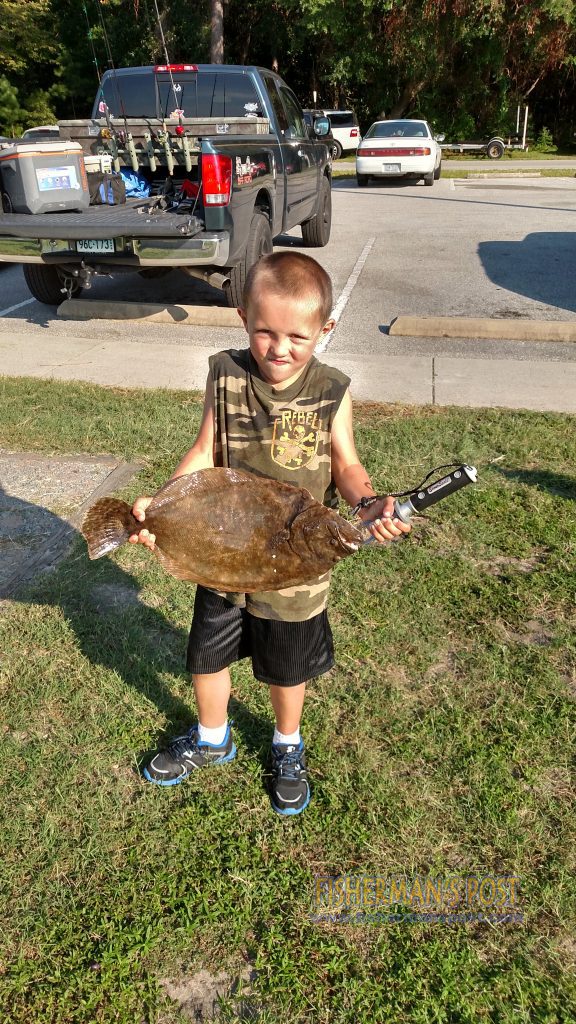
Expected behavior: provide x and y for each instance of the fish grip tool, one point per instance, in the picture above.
(425, 495)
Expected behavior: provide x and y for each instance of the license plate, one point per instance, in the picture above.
(391, 168)
(95, 245)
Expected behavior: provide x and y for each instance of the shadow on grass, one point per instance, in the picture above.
(115, 626)
(555, 483)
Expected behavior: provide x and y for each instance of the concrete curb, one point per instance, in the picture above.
(478, 327)
(200, 316)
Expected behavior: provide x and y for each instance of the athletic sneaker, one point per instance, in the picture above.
(289, 786)
(184, 755)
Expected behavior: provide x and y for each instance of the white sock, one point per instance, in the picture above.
(292, 738)
(214, 736)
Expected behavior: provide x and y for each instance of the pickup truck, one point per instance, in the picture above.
(227, 162)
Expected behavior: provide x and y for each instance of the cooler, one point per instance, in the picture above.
(43, 177)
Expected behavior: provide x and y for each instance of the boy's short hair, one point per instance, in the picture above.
(291, 275)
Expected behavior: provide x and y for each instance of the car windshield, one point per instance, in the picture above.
(398, 129)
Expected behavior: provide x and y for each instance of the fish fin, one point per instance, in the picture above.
(107, 525)
(173, 567)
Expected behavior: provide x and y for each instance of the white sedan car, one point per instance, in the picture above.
(393, 149)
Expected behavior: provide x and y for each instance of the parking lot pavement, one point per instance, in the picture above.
(396, 249)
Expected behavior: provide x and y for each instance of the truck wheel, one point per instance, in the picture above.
(46, 283)
(259, 244)
(495, 149)
(336, 149)
(316, 231)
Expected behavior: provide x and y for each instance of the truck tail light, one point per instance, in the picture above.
(391, 151)
(353, 133)
(216, 179)
(175, 67)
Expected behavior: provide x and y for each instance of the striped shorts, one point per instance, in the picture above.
(283, 653)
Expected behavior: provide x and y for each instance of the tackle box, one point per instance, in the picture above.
(43, 177)
(101, 163)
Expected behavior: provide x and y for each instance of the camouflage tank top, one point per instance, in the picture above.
(283, 434)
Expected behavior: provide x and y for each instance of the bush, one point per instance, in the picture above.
(545, 143)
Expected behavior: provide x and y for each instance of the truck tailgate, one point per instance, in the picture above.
(135, 219)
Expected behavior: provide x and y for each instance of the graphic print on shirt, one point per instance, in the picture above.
(295, 438)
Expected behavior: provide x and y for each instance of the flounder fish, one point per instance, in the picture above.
(231, 531)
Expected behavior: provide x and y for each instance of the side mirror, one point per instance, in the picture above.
(321, 126)
(439, 138)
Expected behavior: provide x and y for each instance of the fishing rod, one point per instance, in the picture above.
(92, 47)
(129, 142)
(180, 130)
(168, 64)
(103, 106)
(422, 496)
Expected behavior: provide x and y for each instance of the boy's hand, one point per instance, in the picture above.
(139, 512)
(386, 526)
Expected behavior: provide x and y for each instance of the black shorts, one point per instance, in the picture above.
(283, 653)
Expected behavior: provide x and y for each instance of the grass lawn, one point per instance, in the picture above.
(451, 172)
(440, 746)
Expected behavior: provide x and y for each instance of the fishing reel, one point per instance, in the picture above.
(423, 497)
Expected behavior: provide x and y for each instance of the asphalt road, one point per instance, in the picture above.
(495, 247)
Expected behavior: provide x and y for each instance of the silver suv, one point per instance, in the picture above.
(345, 130)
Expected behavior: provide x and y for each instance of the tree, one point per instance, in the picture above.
(10, 112)
(216, 32)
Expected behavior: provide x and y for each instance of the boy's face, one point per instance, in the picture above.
(283, 334)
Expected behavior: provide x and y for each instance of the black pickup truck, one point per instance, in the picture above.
(226, 162)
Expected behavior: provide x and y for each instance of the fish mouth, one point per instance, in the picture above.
(347, 545)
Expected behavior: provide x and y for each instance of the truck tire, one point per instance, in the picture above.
(316, 231)
(259, 244)
(336, 149)
(495, 149)
(46, 283)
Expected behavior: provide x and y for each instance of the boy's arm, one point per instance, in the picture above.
(353, 481)
(200, 456)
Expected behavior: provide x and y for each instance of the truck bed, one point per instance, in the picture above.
(134, 219)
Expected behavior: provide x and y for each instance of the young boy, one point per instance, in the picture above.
(275, 410)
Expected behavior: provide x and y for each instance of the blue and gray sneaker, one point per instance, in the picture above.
(289, 786)
(184, 755)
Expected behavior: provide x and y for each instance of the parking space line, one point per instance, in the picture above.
(346, 293)
(18, 305)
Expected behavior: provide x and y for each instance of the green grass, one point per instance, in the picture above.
(451, 172)
(441, 745)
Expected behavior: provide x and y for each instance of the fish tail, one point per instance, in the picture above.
(107, 526)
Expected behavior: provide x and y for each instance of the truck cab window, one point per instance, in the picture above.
(294, 114)
(127, 96)
(276, 102)
(208, 95)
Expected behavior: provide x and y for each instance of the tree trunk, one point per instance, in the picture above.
(409, 93)
(246, 47)
(217, 32)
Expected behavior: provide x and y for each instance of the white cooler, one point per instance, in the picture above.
(43, 177)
